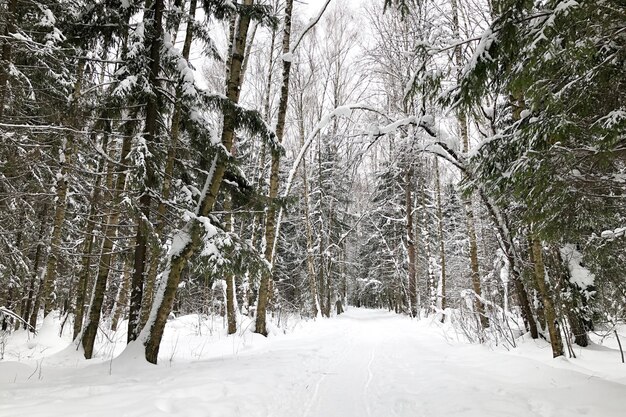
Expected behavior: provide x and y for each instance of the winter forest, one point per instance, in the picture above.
(327, 197)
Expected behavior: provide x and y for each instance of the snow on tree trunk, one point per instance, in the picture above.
(166, 191)
(154, 29)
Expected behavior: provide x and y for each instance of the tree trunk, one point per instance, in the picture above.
(106, 254)
(431, 289)
(62, 185)
(537, 297)
(83, 277)
(410, 241)
(540, 281)
(263, 152)
(6, 54)
(270, 216)
(467, 200)
(167, 178)
(32, 298)
(441, 292)
(151, 130)
(122, 298)
(506, 241)
(189, 239)
(569, 298)
(310, 265)
(231, 301)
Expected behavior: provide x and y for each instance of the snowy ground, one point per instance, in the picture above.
(363, 363)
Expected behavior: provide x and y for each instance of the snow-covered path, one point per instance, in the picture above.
(364, 363)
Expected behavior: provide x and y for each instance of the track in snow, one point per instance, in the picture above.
(363, 364)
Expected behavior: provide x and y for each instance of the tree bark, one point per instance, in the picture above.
(106, 254)
(442, 247)
(270, 216)
(62, 186)
(569, 297)
(310, 264)
(506, 241)
(263, 152)
(151, 130)
(479, 308)
(6, 54)
(167, 178)
(540, 280)
(410, 237)
(32, 297)
(231, 302)
(83, 277)
(122, 298)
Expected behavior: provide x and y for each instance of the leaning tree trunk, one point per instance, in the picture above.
(166, 190)
(270, 216)
(540, 282)
(506, 241)
(189, 239)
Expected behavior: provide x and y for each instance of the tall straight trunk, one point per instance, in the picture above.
(467, 200)
(231, 290)
(151, 129)
(431, 288)
(263, 152)
(106, 253)
(14, 300)
(47, 289)
(189, 239)
(479, 306)
(537, 297)
(410, 241)
(550, 312)
(92, 240)
(441, 291)
(166, 190)
(83, 277)
(33, 301)
(6, 54)
(522, 298)
(231, 312)
(270, 216)
(62, 186)
(310, 265)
